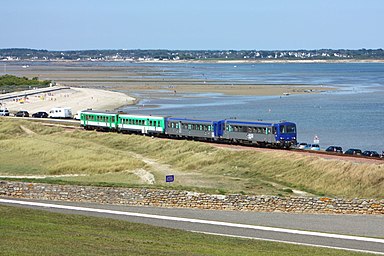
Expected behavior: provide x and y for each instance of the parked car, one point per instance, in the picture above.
(22, 113)
(353, 151)
(315, 147)
(301, 145)
(40, 114)
(77, 115)
(335, 149)
(371, 153)
(312, 147)
(4, 112)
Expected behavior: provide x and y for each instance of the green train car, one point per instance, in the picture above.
(97, 120)
(141, 124)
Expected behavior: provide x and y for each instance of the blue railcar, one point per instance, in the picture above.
(192, 128)
(259, 133)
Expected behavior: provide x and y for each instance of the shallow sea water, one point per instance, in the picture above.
(352, 116)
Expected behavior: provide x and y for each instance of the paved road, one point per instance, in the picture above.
(353, 232)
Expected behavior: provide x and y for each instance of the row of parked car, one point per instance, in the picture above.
(24, 113)
(339, 150)
(53, 113)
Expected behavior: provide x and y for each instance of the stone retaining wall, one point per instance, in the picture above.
(185, 199)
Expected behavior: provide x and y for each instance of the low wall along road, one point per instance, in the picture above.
(185, 199)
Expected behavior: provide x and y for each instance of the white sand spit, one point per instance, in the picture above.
(75, 98)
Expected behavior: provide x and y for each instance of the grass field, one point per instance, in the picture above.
(35, 232)
(115, 158)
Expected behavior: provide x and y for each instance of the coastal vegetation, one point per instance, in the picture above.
(27, 231)
(206, 55)
(10, 83)
(7, 80)
(114, 160)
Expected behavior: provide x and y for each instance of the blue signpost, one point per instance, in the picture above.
(170, 178)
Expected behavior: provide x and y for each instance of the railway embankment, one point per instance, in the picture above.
(186, 199)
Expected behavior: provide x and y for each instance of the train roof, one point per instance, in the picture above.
(191, 120)
(141, 116)
(91, 111)
(253, 122)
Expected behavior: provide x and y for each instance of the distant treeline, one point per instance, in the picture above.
(9, 80)
(321, 54)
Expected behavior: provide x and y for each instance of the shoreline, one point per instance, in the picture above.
(81, 98)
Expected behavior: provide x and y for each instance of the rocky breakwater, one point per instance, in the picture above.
(185, 199)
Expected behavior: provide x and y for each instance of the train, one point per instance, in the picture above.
(281, 134)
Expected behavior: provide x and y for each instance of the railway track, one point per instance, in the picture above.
(75, 124)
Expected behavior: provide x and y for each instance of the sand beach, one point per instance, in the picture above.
(75, 98)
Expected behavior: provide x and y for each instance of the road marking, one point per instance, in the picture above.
(289, 242)
(198, 221)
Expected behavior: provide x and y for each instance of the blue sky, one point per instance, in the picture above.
(194, 24)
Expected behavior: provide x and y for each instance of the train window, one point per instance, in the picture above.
(268, 130)
(282, 129)
(291, 129)
(177, 126)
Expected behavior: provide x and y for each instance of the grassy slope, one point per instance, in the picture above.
(33, 232)
(109, 157)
